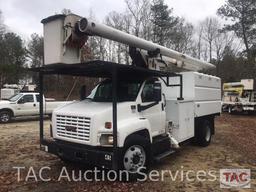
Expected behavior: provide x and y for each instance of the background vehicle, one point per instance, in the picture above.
(9, 90)
(25, 104)
(239, 96)
(139, 113)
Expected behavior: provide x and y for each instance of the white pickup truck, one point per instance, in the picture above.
(25, 104)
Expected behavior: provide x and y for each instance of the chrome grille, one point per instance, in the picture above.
(73, 127)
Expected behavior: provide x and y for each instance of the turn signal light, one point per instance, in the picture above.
(108, 125)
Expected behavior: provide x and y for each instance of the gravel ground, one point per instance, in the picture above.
(233, 146)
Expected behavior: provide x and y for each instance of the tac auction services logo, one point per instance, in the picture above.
(235, 178)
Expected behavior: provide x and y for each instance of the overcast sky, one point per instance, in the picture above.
(24, 16)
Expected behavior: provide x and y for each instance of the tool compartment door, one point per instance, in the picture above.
(186, 121)
(181, 114)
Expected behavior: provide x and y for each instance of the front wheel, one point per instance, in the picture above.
(135, 156)
(5, 116)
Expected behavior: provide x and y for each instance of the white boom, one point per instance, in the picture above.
(181, 60)
(64, 35)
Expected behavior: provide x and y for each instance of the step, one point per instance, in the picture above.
(163, 155)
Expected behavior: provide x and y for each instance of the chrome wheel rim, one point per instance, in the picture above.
(5, 117)
(134, 158)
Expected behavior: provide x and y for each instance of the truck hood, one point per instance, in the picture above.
(84, 107)
(4, 102)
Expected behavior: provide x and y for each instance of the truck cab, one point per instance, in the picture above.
(139, 108)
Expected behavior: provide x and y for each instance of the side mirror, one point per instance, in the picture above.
(157, 91)
(83, 92)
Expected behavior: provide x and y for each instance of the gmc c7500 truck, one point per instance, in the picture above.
(139, 112)
(149, 117)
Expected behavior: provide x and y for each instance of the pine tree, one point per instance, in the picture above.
(242, 14)
(162, 21)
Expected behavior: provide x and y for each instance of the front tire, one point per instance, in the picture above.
(5, 116)
(135, 156)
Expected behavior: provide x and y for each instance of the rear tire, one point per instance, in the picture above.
(204, 133)
(5, 116)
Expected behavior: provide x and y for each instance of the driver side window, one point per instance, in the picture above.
(148, 91)
(27, 99)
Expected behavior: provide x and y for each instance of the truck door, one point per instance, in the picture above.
(155, 113)
(26, 105)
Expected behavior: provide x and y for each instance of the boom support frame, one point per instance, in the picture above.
(97, 69)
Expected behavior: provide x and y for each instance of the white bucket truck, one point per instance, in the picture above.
(239, 96)
(139, 113)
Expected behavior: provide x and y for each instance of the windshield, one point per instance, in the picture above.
(126, 91)
(15, 97)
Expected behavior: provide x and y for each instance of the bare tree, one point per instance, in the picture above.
(181, 38)
(127, 18)
(211, 27)
(139, 11)
(205, 52)
(123, 22)
(199, 40)
(96, 46)
(115, 20)
(2, 26)
(66, 11)
(146, 25)
(222, 40)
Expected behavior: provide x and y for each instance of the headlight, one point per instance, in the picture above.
(106, 139)
(110, 140)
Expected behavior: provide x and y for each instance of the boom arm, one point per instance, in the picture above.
(64, 35)
(174, 57)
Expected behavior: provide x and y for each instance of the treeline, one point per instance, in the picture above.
(12, 55)
(228, 40)
(231, 46)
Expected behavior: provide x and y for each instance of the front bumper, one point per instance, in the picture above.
(98, 156)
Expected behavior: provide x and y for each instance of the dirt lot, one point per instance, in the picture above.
(233, 146)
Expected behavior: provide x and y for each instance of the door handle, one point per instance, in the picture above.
(34, 105)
